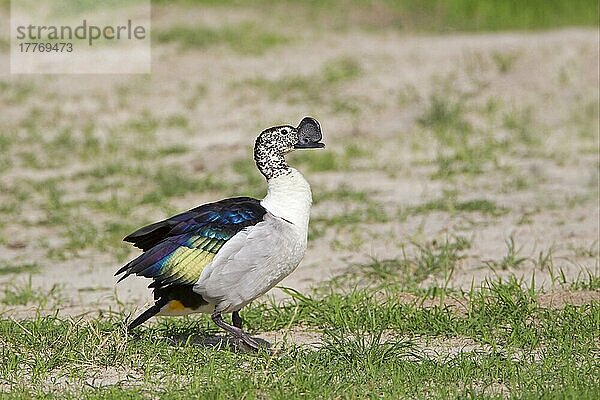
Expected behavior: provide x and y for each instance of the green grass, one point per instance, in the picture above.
(368, 346)
(245, 38)
(451, 204)
(23, 293)
(427, 15)
(322, 87)
(505, 60)
(30, 268)
(354, 156)
(521, 123)
(582, 250)
(512, 258)
(435, 258)
(249, 181)
(318, 161)
(15, 93)
(473, 15)
(113, 188)
(464, 126)
(76, 186)
(461, 148)
(171, 182)
(368, 212)
(342, 193)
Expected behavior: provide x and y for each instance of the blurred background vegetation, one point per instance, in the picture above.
(427, 15)
(459, 183)
(412, 15)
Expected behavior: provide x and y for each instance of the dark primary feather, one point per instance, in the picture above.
(184, 294)
(149, 313)
(228, 213)
(178, 248)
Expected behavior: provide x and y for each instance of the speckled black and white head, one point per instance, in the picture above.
(272, 144)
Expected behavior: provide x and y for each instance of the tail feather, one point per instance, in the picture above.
(149, 313)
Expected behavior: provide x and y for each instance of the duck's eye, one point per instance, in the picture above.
(284, 131)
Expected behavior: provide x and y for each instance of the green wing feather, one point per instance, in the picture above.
(176, 250)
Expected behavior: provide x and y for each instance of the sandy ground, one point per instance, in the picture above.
(555, 74)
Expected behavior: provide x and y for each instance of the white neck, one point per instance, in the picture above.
(289, 197)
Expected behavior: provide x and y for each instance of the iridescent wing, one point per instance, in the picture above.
(177, 249)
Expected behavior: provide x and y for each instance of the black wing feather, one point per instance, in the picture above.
(220, 214)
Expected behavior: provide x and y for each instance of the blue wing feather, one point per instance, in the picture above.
(205, 228)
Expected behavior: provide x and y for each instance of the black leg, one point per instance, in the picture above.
(235, 331)
(237, 320)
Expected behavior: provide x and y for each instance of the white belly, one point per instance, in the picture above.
(251, 263)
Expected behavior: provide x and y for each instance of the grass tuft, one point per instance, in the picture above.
(29, 268)
(451, 204)
(246, 38)
(322, 87)
(368, 343)
(23, 293)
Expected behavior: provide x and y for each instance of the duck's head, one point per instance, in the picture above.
(286, 138)
(273, 143)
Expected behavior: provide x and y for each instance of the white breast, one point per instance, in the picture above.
(289, 197)
(251, 263)
(260, 256)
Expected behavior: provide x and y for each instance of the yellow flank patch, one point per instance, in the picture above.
(185, 265)
(174, 306)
